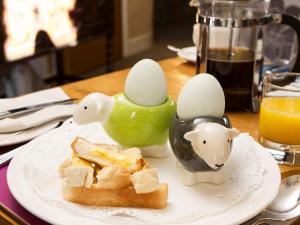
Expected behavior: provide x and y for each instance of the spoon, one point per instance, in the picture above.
(286, 205)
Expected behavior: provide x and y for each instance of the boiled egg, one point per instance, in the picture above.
(145, 84)
(201, 96)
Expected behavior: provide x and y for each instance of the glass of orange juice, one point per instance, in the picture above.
(279, 120)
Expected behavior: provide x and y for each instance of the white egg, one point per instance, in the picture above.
(201, 96)
(146, 84)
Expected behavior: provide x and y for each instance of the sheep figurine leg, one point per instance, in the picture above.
(189, 178)
(213, 177)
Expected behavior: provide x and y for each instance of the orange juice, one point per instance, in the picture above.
(280, 120)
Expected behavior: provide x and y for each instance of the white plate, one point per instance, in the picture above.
(55, 146)
(188, 53)
(23, 136)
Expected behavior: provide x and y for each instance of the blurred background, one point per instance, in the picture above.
(113, 35)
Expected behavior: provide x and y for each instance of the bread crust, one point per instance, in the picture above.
(124, 197)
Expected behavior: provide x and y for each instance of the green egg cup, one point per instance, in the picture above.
(133, 125)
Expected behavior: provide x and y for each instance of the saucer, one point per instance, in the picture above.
(188, 53)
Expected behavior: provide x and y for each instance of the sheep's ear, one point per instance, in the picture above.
(232, 132)
(191, 135)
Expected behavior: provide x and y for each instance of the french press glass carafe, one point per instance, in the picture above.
(230, 46)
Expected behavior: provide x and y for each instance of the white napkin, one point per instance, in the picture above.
(36, 118)
(49, 95)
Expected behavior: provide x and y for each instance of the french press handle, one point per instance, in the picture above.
(294, 23)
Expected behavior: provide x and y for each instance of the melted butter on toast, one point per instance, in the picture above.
(115, 158)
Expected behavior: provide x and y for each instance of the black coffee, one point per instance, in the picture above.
(235, 73)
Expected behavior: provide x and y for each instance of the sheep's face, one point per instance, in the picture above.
(211, 142)
(94, 107)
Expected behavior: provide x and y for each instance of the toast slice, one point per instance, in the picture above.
(103, 175)
(125, 197)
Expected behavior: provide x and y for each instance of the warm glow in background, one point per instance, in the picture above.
(23, 19)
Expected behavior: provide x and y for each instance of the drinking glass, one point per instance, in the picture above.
(279, 122)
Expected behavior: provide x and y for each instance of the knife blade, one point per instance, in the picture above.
(31, 108)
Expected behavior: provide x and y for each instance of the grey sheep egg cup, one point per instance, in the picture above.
(193, 168)
(183, 149)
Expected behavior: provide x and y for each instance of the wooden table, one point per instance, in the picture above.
(178, 72)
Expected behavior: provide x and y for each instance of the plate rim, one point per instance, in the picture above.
(43, 129)
(14, 191)
(19, 200)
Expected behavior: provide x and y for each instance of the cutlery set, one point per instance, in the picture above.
(27, 122)
(32, 108)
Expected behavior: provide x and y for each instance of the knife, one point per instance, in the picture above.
(31, 108)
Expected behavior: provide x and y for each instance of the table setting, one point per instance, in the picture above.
(38, 160)
(211, 136)
(26, 117)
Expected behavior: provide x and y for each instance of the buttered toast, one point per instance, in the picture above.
(103, 175)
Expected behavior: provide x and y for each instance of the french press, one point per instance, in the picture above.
(230, 46)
